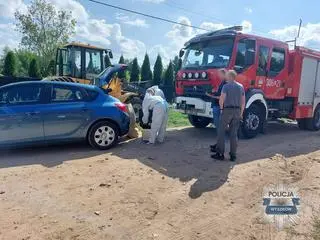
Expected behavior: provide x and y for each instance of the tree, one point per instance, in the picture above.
(146, 73)
(10, 64)
(34, 69)
(135, 71)
(24, 58)
(107, 62)
(122, 75)
(157, 71)
(169, 82)
(5, 51)
(121, 60)
(44, 29)
(51, 68)
(177, 63)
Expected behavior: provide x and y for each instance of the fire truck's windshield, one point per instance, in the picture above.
(208, 54)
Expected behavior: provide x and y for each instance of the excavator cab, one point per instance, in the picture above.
(81, 62)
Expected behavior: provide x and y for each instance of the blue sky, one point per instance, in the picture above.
(134, 35)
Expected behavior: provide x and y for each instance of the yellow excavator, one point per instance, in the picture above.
(84, 63)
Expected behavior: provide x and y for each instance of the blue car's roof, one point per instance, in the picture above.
(86, 86)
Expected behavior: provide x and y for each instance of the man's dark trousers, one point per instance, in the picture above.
(231, 117)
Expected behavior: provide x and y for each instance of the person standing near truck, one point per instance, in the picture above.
(232, 104)
(215, 98)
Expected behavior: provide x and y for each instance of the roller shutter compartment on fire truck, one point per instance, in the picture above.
(308, 109)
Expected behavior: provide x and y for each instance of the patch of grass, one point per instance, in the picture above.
(177, 119)
(316, 229)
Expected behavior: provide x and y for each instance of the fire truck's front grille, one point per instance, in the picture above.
(197, 91)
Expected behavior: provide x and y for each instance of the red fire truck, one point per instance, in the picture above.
(279, 83)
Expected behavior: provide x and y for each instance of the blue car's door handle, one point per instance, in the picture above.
(61, 116)
(32, 113)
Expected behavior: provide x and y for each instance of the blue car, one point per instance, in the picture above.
(54, 112)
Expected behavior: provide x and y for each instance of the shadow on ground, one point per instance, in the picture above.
(185, 154)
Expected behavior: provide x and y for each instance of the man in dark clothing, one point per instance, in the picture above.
(215, 98)
(232, 103)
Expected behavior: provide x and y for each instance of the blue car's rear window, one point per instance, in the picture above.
(92, 94)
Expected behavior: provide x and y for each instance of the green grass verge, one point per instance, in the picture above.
(177, 119)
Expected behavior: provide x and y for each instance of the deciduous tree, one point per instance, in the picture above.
(44, 29)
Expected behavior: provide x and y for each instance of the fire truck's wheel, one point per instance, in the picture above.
(137, 107)
(199, 122)
(252, 121)
(313, 124)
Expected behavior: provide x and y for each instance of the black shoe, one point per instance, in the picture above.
(218, 156)
(233, 158)
(213, 148)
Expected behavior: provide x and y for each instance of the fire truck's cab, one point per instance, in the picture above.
(265, 67)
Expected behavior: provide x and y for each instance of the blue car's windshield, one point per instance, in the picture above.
(208, 54)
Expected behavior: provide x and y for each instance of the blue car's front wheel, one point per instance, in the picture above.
(103, 135)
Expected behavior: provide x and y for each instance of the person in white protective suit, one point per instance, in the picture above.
(159, 106)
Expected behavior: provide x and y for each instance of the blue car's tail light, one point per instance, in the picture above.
(121, 106)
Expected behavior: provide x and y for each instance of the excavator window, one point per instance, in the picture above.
(64, 62)
(93, 63)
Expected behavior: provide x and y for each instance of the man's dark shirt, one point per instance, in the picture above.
(215, 102)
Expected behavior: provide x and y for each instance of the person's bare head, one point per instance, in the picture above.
(231, 75)
(222, 73)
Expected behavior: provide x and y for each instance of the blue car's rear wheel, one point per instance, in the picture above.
(103, 135)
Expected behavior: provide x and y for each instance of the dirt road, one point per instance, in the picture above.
(169, 192)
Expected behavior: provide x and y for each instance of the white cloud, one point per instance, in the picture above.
(165, 52)
(7, 8)
(309, 34)
(247, 26)
(8, 37)
(248, 10)
(99, 32)
(137, 22)
(102, 33)
(88, 29)
(95, 30)
(211, 27)
(129, 47)
(179, 34)
(77, 9)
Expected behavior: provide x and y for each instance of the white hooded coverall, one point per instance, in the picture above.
(159, 106)
(158, 91)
